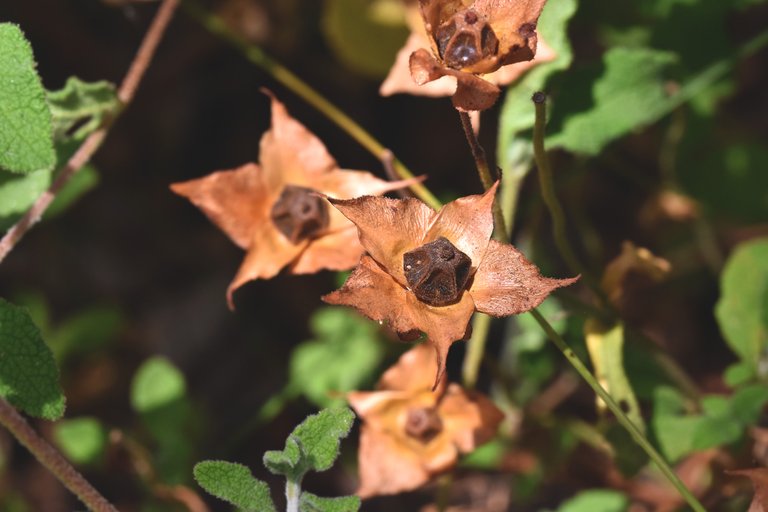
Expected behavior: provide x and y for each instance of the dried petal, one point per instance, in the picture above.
(471, 418)
(268, 253)
(515, 24)
(468, 223)
(759, 477)
(474, 93)
(413, 371)
(388, 228)
(289, 153)
(233, 200)
(508, 284)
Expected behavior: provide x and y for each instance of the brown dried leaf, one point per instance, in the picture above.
(633, 262)
(241, 202)
(508, 284)
(436, 301)
(759, 477)
(397, 454)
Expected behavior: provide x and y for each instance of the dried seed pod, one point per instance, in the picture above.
(465, 39)
(423, 423)
(300, 213)
(437, 272)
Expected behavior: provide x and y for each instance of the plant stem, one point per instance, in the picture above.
(616, 410)
(547, 185)
(484, 171)
(92, 143)
(280, 73)
(481, 324)
(292, 493)
(52, 459)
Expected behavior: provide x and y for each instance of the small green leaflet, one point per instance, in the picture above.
(235, 484)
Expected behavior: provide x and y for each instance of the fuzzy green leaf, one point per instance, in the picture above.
(626, 95)
(313, 444)
(596, 500)
(84, 103)
(29, 378)
(742, 311)
(308, 502)
(344, 353)
(286, 461)
(670, 425)
(320, 434)
(26, 143)
(81, 439)
(235, 484)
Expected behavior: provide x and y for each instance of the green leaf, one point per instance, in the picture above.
(26, 143)
(742, 311)
(235, 484)
(81, 439)
(670, 426)
(286, 461)
(517, 114)
(342, 357)
(623, 96)
(596, 500)
(158, 393)
(747, 403)
(364, 34)
(80, 103)
(308, 502)
(606, 350)
(29, 378)
(78, 185)
(18, 192)
(157, 383)
(320, 435)
(313, 444)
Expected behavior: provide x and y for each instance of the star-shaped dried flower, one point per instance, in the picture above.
(430, 271)
(399, 79)
(410, 433)
(276, 211)
(472, 37)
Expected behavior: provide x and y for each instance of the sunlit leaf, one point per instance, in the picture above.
(235, 484)
(311, 503)
(26, 143)
(81, 439)
(741, 310)
(596, 500)
(29, 378)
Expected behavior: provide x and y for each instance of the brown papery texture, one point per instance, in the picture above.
(240, 202)
(502, 281)
(392, 460)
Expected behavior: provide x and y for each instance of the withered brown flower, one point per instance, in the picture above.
(276, 211)
(430, 271)
(399, 79)
(471, 37)
(409, 433)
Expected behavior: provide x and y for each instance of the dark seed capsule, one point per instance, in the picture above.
(437, 272)
(299, 213)
(423, 424)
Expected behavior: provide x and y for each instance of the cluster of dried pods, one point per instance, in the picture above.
(417, 269)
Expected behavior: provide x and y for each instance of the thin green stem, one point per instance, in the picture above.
(292, 494)
(484, 171)
(481, 325)
(616, 410)
(281, 74)
(547, 184)
(52, 459)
